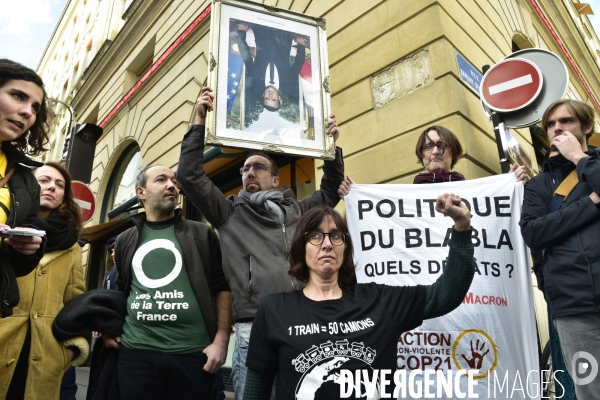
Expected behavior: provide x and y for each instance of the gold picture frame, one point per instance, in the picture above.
(269, 71)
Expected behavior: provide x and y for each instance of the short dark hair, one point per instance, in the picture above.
(582, 111)
(310, 221)
(274, 169)
(271, 109)
(68, 207)
(33, 141)
(447, 136)
(142, 178)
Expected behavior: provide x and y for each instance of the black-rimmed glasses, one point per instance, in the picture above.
(258, 167)
(430, 145)
(316, 238)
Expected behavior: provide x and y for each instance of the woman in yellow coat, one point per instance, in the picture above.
(32, 361)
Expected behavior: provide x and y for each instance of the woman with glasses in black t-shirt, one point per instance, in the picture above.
(307, 337)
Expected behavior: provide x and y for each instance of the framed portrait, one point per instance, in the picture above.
(270, 76)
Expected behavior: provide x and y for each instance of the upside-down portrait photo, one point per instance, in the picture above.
(269, 81)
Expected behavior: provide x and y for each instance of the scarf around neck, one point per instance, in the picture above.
(438, 175)
(59, 236)
(264, 199)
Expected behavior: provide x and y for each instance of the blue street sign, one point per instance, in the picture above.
(468, 73)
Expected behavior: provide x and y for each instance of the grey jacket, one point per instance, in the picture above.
(254, 242)
(202, 256)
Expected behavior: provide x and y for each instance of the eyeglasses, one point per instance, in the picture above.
(316, 238)
(258, 167)
(430, 145)
(111, 247)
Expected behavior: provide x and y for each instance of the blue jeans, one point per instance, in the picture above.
(579, 336)
(240, 353)
(239, 371)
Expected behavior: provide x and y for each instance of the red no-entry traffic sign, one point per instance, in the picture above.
(511, 85)
(85, 199)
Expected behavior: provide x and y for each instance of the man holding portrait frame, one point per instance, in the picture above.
(255, 227)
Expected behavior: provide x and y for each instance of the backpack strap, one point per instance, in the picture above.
(563, 190)
(7, 176)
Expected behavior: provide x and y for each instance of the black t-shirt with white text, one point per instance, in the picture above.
(308, 342)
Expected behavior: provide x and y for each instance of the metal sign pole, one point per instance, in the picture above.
(499, 129)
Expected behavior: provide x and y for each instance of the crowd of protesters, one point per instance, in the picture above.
(276, 262)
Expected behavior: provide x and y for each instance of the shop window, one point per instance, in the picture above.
(121, 186)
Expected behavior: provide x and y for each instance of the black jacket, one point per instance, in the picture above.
(569, 235)
(102, 311)
(25, 201)
(202, 255)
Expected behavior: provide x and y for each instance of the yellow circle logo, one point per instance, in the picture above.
(473, 350)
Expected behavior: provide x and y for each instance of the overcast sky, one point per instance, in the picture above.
(26, 26)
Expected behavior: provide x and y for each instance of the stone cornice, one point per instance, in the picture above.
(131, 9)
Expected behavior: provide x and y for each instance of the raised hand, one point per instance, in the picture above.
(450, 204)
(520, 172)
(332, 128)
(204, 104)
(568, 145)
(344, 188)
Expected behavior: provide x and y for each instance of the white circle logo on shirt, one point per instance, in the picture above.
(146, 248)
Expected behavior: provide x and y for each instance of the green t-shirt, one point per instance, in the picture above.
(163, 314)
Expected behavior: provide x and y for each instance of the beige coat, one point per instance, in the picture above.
(56, 280)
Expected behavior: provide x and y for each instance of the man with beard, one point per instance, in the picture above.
(178, 321)
(256, 226)
(566, 223)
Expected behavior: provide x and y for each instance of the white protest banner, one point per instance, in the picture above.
(399, 239)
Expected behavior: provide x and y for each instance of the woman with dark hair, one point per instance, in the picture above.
(438, 150)
(23, 114)
(29, 134)
(306, 337)
(35, 359)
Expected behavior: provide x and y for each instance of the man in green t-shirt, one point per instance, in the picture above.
(178, 321)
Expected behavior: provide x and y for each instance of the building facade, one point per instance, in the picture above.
(134, 68)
